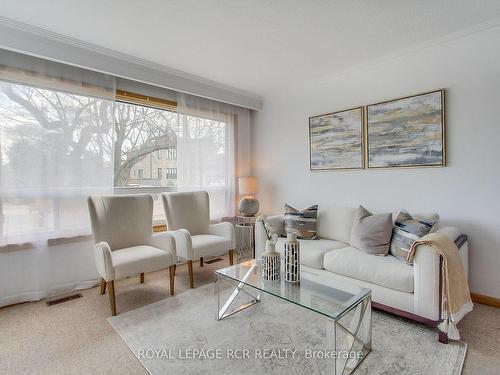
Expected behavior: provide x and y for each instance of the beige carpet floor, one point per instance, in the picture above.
(75, 338)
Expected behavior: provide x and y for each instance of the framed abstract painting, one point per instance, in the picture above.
(406, 132)
(336, 140)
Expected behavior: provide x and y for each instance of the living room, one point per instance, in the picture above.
(249, 187)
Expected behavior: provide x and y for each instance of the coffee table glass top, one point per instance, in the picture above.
(319, 294)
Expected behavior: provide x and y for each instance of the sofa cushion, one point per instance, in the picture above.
(335, 223)
(385, 271)
(312, 252)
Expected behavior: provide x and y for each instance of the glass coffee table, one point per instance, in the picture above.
(346, 307)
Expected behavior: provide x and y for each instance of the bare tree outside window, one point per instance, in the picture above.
(141, 132)
(56, 148)
(120, 134)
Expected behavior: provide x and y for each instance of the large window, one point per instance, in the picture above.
(56, 148)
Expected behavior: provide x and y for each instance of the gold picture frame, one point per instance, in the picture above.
(336, 140)
(406, 132)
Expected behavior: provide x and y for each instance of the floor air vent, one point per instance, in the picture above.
(64, 299)
(213, 260)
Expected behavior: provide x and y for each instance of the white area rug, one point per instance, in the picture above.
(165, 335)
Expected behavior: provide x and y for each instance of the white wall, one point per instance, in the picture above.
(465, 193)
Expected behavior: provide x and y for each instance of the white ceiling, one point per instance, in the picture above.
(255, 45)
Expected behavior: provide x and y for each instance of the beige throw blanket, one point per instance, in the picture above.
(455, 295)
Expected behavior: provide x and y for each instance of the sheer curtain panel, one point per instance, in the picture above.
(65, 135)
(56, 148)
(206, 148)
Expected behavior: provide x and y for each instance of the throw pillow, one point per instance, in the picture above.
(407, 229)
(371, 233)
(303, 223)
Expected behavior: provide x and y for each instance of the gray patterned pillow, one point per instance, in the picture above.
(406, 231)
(303, 223)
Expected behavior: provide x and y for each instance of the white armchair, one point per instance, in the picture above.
(189, 215)
(125, 244)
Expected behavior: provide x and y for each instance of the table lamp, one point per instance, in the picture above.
(249, 205)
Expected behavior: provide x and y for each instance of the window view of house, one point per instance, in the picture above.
(151, 169)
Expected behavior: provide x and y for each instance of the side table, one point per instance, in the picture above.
(245, 244)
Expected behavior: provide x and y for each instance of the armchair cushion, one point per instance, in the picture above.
(207, 245)
(133, 260)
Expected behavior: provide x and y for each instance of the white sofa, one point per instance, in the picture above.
(410, 291)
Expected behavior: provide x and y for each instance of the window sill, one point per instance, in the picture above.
(16, 247)
(68, 240)
(11, 247)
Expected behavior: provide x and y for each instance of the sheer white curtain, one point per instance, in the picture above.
(63, 137)
(56, 133)
(56, 148)
(206, 150)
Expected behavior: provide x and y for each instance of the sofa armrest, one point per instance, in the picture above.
(451, 232)
(426, 269)
(426, 282)
(104, 261)
(223, 229)
(462, 242)
(165, 241)
(277, 222)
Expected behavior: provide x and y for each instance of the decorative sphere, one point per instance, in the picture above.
(248, 206)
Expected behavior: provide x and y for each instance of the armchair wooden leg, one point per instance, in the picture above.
(103, 286)
(142, 278)
(191, 277)
(171, 272)
(231, 257)
(175, 268)
(112, 300)
(201, 261)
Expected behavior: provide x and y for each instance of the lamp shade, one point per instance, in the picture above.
(248, 185)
